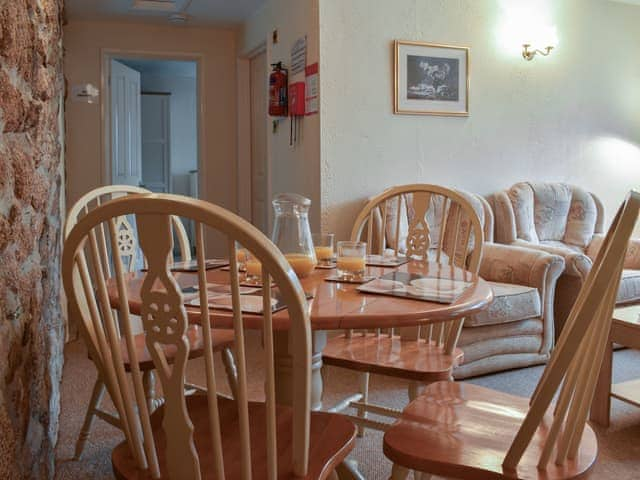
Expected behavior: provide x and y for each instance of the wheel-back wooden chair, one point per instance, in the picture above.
(127, 244)
(444, 228)
(469, 432)
(128, 251)
(204, 435)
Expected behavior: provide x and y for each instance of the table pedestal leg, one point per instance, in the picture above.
(284, 374)
(347, 470)
(601, 405)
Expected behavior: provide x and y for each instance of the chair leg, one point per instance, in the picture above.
(421, 475)
(414, 390)
(229, 363)
(398, 472)
(364, 391)
(149, 385)
(96, 398)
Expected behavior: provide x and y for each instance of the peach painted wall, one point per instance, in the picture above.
(85, 40)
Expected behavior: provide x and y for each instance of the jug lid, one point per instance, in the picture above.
(291, 198)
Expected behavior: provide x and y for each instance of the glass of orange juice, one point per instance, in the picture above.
(301, 263)
(323, 245)
(241, 257)
(253, 268)
(351, 262)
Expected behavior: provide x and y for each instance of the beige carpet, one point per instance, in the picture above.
(619, 445)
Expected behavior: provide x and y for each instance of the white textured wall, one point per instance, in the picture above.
(293, 169)
(574, 116)
(183, 135)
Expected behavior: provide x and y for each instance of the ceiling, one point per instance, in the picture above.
(200, 12)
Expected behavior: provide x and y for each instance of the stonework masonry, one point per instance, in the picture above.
(31, 150)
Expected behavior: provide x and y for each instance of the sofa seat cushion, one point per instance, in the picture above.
(629, 290)
(563, 246)
(511, 303)
(525, 337)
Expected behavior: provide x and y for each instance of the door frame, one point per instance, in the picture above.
(244, 200)
(108, 54)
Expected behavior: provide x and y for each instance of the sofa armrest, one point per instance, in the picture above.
(519, 265)
(530, 267)
(632, 257)
(576, 264)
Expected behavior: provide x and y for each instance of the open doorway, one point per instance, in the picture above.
(154, 124)
(151, 120)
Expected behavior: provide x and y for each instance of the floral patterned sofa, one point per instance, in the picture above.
(517, 328)
(563, 220)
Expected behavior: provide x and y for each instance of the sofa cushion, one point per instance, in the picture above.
(581, 221)
(629, 290)
(551, 209)
(563, 246)
(532, 327)
(510, 304)
(521, 197)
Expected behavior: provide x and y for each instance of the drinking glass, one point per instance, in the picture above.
(253, 268)
(323, 245)
(351, 262)
(241, 257)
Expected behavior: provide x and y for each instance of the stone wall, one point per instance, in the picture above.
(31, 334)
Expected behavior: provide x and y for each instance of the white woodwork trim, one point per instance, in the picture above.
(243, 170)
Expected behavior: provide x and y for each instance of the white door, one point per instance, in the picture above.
(156, 162)
(126, 151)
(259, 172)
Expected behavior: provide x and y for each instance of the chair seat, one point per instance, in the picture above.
(409, 359)
(464, 431)
(221, 339)
(331, 439)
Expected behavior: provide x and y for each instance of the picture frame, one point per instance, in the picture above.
(431, 79)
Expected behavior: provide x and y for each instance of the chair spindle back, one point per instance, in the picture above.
(165, 320)
(126, 233)
(576, 360)
(442, 226)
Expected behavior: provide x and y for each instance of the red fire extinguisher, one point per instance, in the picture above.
(278, 102)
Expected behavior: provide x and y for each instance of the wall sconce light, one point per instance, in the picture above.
(529, 53)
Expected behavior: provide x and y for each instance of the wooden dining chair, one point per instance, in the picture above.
(205, 435)
(443, 228)
(128, 251)
(127, 244)
(465, 431)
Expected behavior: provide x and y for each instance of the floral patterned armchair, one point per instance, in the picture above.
(517, 328)
(563, 220)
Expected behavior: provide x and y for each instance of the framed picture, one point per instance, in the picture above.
(431, 79)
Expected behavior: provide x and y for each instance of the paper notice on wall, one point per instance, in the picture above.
(311, 89)
(299, 56)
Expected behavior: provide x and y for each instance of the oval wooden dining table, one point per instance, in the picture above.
(335, 306)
